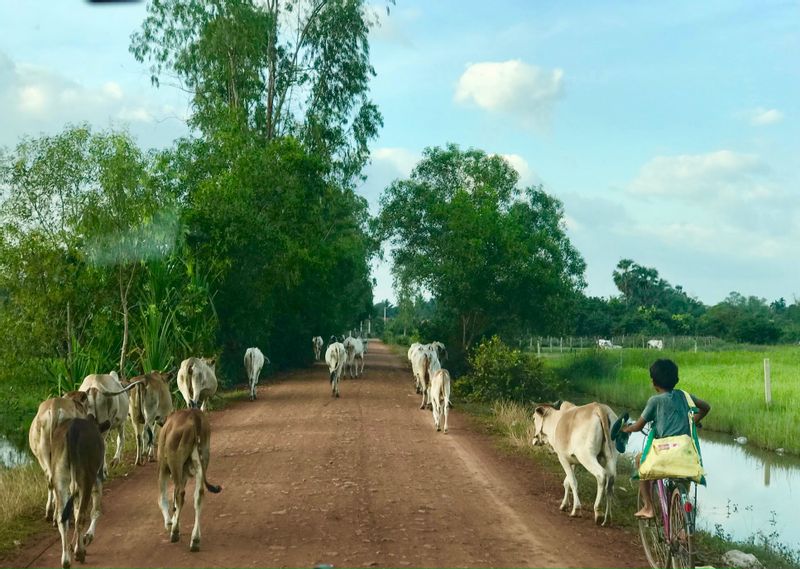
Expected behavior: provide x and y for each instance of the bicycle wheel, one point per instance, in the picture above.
(652, 533)
(680, 532)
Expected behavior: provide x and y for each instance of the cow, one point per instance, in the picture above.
(441, 351)
(184, 450)
(51, 414)
(317, 343)
(440, 397)
(425, 362)
(253, 362)
(108, 401)
(78, 453)
(604, 344)
(413, 348)
(335, 357)
(655, 344)
(197, 381)
(355, 353)
(150, 405)
(580, 435)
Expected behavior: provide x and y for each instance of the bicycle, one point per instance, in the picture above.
(668, 536)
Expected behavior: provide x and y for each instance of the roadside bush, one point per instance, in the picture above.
(499, 372)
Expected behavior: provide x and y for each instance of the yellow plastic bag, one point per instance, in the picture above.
(671, 457)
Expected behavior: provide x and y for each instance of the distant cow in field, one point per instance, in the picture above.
(108, 401)
(580, 435)
(253, 362)
(150, 405)
(655, 344)
(77, 456)
(317, 343)
(52, 413)
(197, 381)
(184, 450)
(335, 357)
(355, 353)
(604, 344)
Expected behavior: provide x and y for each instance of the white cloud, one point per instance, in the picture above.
(526, 175)
(525, 91)
(36, 99)
(401, 159)
(723, 173)
(763, 117)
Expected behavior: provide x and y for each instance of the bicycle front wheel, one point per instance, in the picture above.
(651, 532)
(680, 531)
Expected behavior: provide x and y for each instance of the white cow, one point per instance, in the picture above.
(317, 343)
(253, 362)
(197, 381)
(150, 405)
(655, 344)
(355, 353)
(425, 362)
(604, 344)
(108, 401)
(440, 397)
(335, 357)
(580, 435)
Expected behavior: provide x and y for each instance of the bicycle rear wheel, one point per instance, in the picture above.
(680, 530)
(651, 532)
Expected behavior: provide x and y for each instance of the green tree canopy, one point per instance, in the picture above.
(494, 256)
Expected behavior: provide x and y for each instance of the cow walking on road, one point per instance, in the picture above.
(197, 381)
(335, 357)
(253, 362)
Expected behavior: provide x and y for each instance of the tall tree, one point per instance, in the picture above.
(494, 256)
(280, 67)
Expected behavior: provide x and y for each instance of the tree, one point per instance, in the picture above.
(278, 67)
(493, 256)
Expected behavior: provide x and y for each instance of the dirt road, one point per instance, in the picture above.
(359, 481)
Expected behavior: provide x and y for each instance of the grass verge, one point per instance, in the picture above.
(512, 425)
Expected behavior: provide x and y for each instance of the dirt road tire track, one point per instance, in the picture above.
(359, 481)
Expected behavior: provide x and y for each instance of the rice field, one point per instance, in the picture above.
(731, 381)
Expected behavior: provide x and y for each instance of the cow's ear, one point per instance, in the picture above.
(557, 405)
(212, 361)
(82, 396)
(539, 410)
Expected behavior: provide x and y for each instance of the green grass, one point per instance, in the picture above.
(512, 423)
(731, 381)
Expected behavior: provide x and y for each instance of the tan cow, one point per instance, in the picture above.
(108, 401)
(184, 449)
(150, 405)
(580, 435)
(50, 415)
(78, 453)
(197, 381)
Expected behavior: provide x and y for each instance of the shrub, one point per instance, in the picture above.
(499, 372)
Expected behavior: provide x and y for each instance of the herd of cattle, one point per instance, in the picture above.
(67, 436)
(609, 345)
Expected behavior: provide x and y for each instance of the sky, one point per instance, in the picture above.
(670, 131)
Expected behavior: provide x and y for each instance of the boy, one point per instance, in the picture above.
(669, 412)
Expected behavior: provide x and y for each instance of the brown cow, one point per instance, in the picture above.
(150, 405)
(50, 415)
(184, 451)
(77, 459)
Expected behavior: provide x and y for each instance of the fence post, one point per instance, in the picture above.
(767, 383)
(538, 349)
(560, 346)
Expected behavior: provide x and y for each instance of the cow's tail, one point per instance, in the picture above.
(189, 384)
(138, 411)
(198, 425)
(124, 389)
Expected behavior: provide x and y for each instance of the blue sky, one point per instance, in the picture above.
(669, 131)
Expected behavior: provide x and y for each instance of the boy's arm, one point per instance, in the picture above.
(635, 427)
(703, 409)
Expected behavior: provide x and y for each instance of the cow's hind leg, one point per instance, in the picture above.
(97, 494)
(163, 500)
(179, 495)
(62, 515)
(120, 439)
(82, 501)
(572, 481)
(198, 501)
(599, 472)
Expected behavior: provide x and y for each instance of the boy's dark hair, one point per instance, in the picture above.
(664, 374)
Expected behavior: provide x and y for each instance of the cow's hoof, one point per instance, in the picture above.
(563, 507)
(65, 564)
(438, 429)
(88, 539)
(445, 431)
(575, 514)
(80, 556)
(195, 547)
(174, 537)
(337, 396)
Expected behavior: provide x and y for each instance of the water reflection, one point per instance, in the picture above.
(750, 491)
(11, 455)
